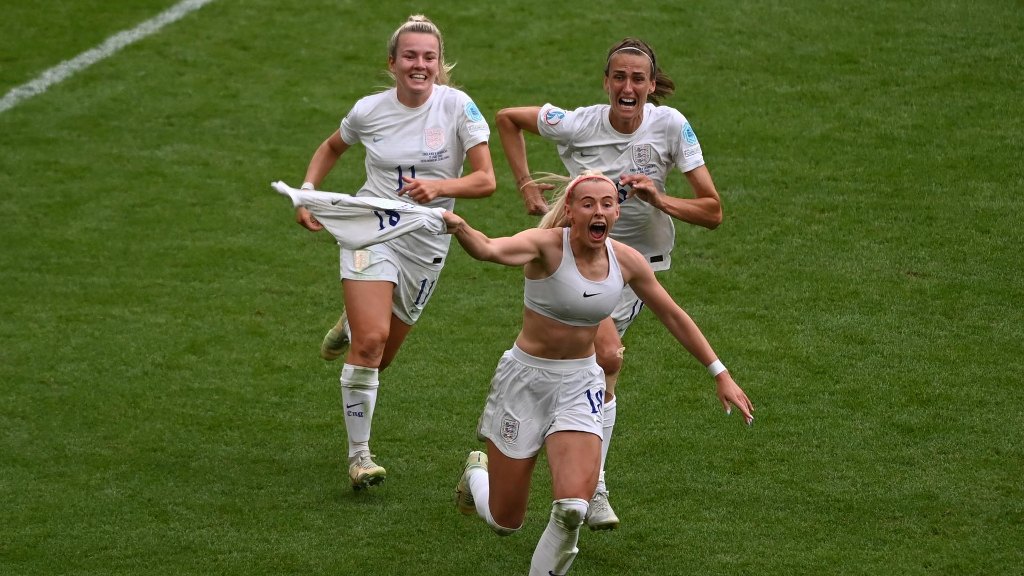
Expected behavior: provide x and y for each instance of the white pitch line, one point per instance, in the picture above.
(109, 46)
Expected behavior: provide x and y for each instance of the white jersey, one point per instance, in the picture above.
(358, 222)
(587, 141)
(428, 142)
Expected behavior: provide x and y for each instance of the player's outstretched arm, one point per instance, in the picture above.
(516, 250)
(641, 278)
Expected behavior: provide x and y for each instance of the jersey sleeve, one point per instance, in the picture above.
(473, 128)
(688, 154)
(556, 124)
(352, 125)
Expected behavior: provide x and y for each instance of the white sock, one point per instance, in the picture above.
(606, 440)
(358, 398)
(557, 547)
(480, 488)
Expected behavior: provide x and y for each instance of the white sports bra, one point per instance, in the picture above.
(568, 297)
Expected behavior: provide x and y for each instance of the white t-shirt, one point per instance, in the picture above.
(360, 221)
(428, 142)
(587, 141)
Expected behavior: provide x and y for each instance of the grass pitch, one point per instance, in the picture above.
(164, 410)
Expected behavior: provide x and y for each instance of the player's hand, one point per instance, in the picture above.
(730, 394)
(643, 188)
(305, 219)
(452, 221)
(533, 198)
(420, 191)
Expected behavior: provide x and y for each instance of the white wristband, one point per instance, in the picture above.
(308, 186)
(716, 368)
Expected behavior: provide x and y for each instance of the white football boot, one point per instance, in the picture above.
(600, 515)
(364, 472)
(463, 497)
(337, 339)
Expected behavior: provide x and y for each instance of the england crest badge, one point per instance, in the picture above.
(509, 429)
(433, 138)
(642, 155)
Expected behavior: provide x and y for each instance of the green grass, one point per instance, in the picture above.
(164, 411)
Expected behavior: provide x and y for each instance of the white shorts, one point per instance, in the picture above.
(627, 309)
(414, 283)
(532, 397)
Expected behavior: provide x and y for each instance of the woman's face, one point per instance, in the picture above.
(628, 83)
(415, 66)
(593, 208)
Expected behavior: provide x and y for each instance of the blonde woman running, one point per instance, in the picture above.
(417, 135)
(548, 389)
(629, 139)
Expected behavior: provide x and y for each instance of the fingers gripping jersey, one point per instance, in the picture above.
(360, 222)
(428, 142)
(587, 141)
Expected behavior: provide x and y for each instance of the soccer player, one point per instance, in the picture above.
(548, 389)
(631, 137)
(417, 135)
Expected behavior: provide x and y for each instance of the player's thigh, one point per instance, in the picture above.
(368, 306)
(575, 460)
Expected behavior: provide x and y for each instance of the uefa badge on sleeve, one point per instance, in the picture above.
(473, 113)
(554, 116)
(689, 135)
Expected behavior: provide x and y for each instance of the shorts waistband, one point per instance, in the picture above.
(550, 363)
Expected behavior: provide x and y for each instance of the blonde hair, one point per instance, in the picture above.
(555, 216)
(663, 85)
(421, 24)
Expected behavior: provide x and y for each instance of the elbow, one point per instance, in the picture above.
(502, 119)
(713, 218)
(488, 186)
(506, 123)
(492, 183)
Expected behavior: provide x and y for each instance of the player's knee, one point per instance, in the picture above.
(368, 348)
(609, 358)
(569, 512)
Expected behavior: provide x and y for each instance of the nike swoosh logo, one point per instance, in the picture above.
(378, 138)
(351, 405)
(585, 295)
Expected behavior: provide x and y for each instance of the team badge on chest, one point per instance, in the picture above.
(433, 138)
(642, 155)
